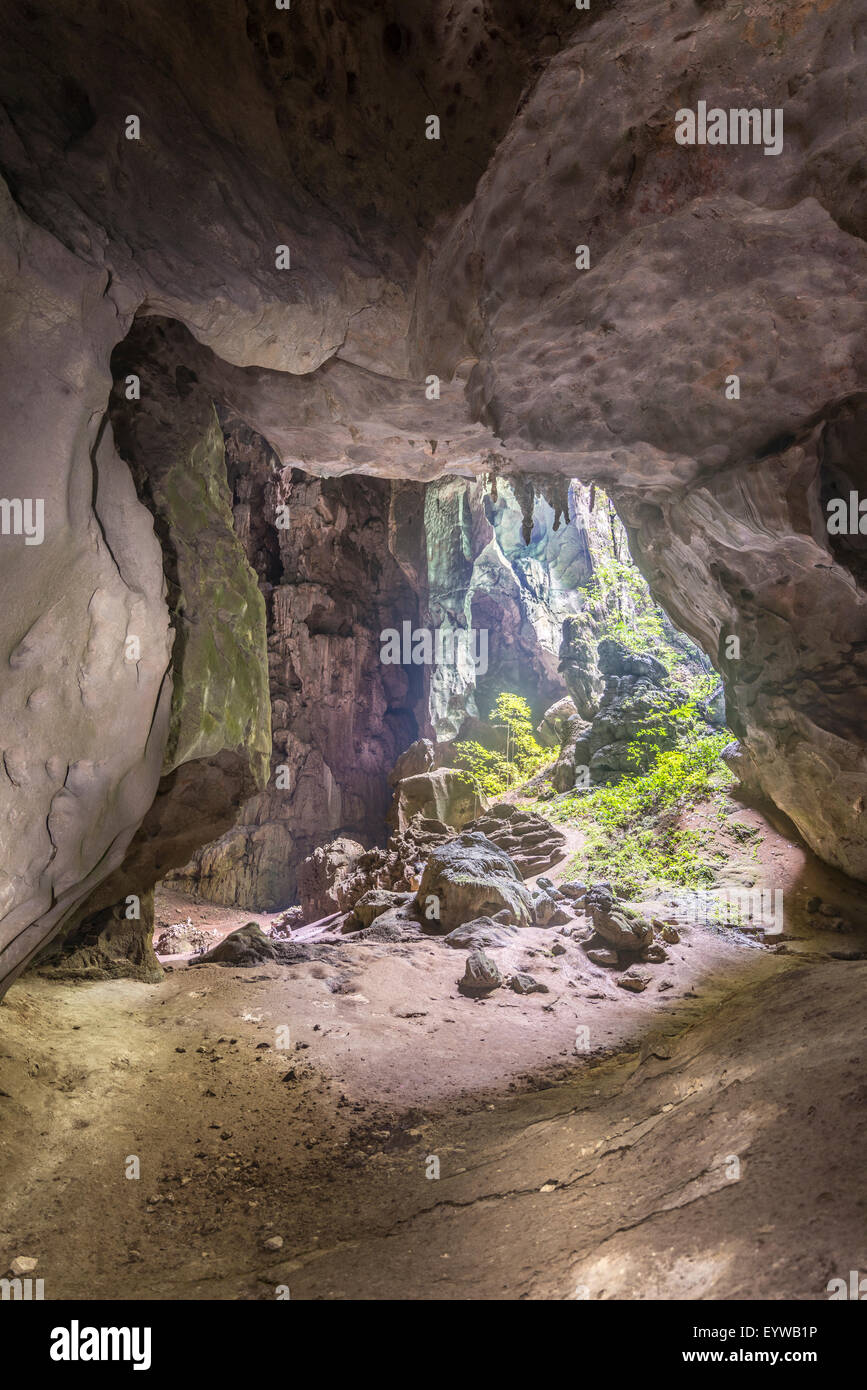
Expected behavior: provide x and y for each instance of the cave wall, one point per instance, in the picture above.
(84, 730)
(340, 716)
(705, 261)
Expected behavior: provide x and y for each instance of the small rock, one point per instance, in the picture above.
(634, 980)
(573, 890)
(606, 958)
(273, 1243)
(23, 1264)
(655, 955)
(558, 949)
(670, 935)
(481, 974)
(525, 984)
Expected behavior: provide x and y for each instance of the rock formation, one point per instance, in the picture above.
(300, 264)
(531, 842)
(470, 877)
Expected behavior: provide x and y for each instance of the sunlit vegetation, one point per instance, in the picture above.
(494, 773)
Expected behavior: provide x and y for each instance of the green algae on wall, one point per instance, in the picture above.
(220, 667)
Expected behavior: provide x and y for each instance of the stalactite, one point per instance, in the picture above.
(555, 490)
(525, 495)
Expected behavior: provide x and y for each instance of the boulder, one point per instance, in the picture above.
(321, 875)
(418, 758)
(634, 980)
(482, 932)
(549, 913)
(573, 890)
(603, 957)
(556, 723)
(250, 946)
(625, 931)
(526, 984)
(446, 794)
(396, 924)
(471, 877)
(371, 905)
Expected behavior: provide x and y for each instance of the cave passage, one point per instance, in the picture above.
(433, 763)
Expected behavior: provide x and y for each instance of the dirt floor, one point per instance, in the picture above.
(702, 1139)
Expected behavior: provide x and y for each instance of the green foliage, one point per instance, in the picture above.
(491, 772)
(625, 609)
(681, 725)
(628, 612)
(633, 838)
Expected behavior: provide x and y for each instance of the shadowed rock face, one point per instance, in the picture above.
(340, 717)
(411, 257)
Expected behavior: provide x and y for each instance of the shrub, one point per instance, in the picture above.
(491, 772)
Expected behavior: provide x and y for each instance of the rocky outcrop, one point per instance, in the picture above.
(218, 740)
(634, 721)
(323, 875)
(446, 795)
(748, 557)
(578, 664)
(531, 842)
(110, 945)
(337, 875)
(250, 946)
(488, 574)
(470, 877)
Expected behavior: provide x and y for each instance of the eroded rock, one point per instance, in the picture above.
(471, 877)
(531, 842)
(481, 974)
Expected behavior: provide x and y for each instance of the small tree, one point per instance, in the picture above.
(491, 772)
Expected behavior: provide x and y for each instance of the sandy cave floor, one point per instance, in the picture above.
(602, 1172)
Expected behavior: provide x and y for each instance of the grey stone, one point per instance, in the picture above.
(481, 974)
